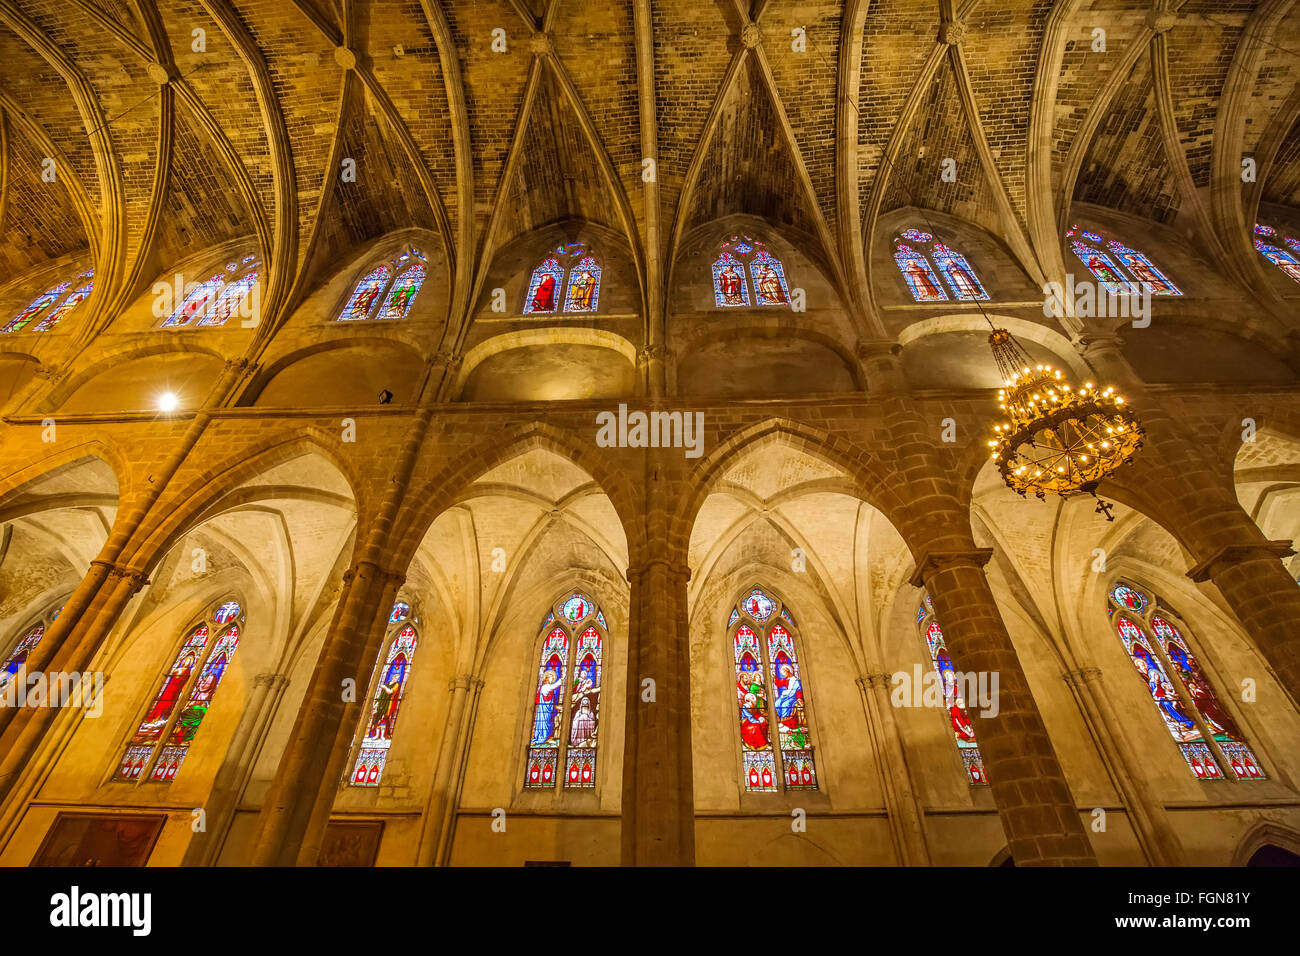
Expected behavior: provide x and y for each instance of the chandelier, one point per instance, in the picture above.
(1056, 439)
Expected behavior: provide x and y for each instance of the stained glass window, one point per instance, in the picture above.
(544, 289)
(763, 651)
(919, 275)
(957, 272)
(1263, 230)
(744, 261)
(584, 286)
(26, 643)
(196, 303)
(230, 301)
(956, 716)
(39, 307)
(403, 293)
(392, 671)
(1132, 273)
(729, 285)
(1281, 258)
(74, 299)
(163, 737)
(563, 734)
(1201, 726)
(367, 292)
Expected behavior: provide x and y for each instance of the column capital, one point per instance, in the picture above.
(1082, 675)
(875, 348)
(465, 682)
(1094, 340)
(273, 681)
(382, 573)
(931, 562)
(881, 679)
(1239, 554)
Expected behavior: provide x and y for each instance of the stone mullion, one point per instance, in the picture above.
(435, 830)
(1158, 839)
(904, 812)
(1037, 810)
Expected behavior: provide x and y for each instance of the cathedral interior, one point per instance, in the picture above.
(388, 377)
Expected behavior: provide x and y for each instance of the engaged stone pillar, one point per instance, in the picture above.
(1151, 824)
(449, 774)
(303, 778)
(896, 782)
(658, 789)
(1038, 813)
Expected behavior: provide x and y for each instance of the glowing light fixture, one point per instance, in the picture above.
(1057, 439)
(168, 402)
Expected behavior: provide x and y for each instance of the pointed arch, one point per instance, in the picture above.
(1137, 273)
(51, 306)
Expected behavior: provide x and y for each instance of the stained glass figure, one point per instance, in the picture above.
(403, 293)
(230, 301)
(1263, 230)
(584, 712)
(544, 289)
(401, 611)
(751, 696)
(56, 316)
(1280, 258)
(769, 280)
(196, 303)
(196, 707)
(791, 717)
(956, 715)
(226, 612)
(917, 272)
(390, 685)
(758, 605)
(1204, 699)
(729, 285)
(1101, 266)
(577, 608)
(1128, 597)
(544, 744)
(763, 650)
(1141, 269)
(584, 286)
(362, 301)
(957, 272)
(39, 307)
(1196, 718)
(159, 715)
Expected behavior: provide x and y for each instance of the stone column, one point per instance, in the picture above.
(658, 788)
(905, 820)
(449, 772)
(303, 778)
(1038, 813)
(236, 769)
(1155, 834)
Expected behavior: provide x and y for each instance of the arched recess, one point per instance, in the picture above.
(1187, 351)
(16, 370)
(516, 537)
(550, 364)
(777, 516)
(952, 351)
(1054, 564)
(51, 528)
(276, 543)
(1268, 844)
(134, 381)
(340, 372)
